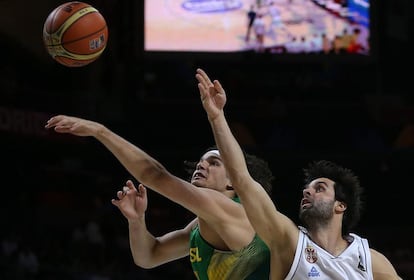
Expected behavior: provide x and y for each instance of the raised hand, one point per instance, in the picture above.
(73, 125)
(212, 94)
(132, 202)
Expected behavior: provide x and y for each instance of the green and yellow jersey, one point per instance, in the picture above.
(208, 263)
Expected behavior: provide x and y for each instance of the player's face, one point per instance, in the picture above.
(318, 202)
(210, 172)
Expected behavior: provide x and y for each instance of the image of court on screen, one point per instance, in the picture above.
(271, 26)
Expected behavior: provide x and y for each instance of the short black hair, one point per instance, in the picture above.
(347, 189)
(258, 168)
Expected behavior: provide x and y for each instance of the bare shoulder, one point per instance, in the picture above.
(382, 267)
(192, 225)
(216, 207)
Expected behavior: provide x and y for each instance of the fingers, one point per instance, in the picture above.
(115, 202)
(203, 75)
(217, 85)
(205, 85)
(130, 185)
(59, 122)
(203, 92)
(120, 194)
(53, 121)
(142, 190)
(125, 190)
(203, 78)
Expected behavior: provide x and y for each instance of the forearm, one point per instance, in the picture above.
(141, 165)
(230, 149)
(245, 186)
(142, 244)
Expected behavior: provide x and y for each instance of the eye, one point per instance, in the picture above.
(319, 188)
(215, 162)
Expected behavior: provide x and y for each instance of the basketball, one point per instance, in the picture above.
(75, 34)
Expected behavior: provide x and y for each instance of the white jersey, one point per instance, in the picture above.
(313, 262)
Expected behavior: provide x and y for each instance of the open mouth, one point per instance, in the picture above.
(198, 175)
(305, 203)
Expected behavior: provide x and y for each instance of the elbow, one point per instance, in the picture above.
(145, 264)
(242, 181)
(152, 173)
(146, 256)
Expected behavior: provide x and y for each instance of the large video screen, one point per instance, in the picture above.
(271, 26)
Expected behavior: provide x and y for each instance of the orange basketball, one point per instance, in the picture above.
(75, 34)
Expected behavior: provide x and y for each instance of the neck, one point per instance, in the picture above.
(329, 238)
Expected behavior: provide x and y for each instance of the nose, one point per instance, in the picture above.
(306, 192)
(201, 165)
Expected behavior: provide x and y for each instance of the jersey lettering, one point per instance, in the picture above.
(194, 255)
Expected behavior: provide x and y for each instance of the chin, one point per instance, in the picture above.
(197, 184)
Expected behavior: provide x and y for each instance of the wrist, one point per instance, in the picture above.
(217, 118)
(139, 221)
(100, 131)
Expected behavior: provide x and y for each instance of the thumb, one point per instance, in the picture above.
(115, 202)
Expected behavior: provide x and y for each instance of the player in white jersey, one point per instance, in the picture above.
(313, 262)
(324, 249)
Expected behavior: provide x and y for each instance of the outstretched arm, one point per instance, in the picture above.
(203, 202)
(142, 166)
(382, 268)
(270, 224)
(149, 251)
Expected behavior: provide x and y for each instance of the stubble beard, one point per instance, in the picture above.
(318, 215)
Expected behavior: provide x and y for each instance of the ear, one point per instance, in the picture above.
(340, 206)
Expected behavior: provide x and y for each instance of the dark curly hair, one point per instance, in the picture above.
(347, 189)
(258, 168)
